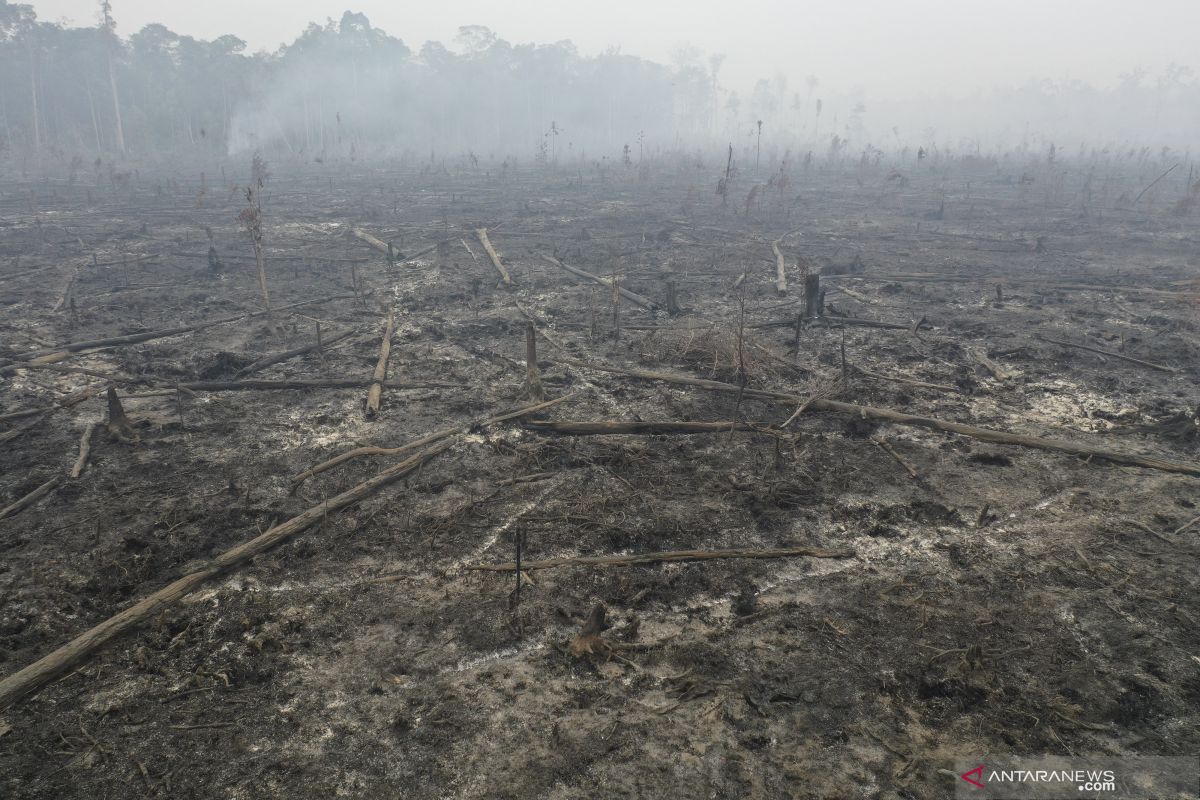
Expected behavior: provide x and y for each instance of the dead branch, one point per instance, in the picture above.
(482, 236)
(25, 412)
(632, 297)
(85, 448)
(944, 277)
(998, 371)
(884, 445)
(901, 418)
(669, 555)
(644, 428)
(31, 498)
(830, 320)
(46, 669)
(1110, 354)
(276, 358)
(1154, 182)
(427, 439)
(907, 381)
(146, 336)
(52, 367)
(254, 385)
(375, 393)
(9, 435)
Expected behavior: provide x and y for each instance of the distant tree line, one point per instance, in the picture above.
(347, 89)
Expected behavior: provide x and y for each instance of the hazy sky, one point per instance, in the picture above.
(901, 47)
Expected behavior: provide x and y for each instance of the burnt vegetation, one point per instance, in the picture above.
(379, 421)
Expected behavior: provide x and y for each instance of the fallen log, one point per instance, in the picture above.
(1000, 373)
(375, 393)
(295, 257)
(1110, 354)
(9, 435)
(901, 418)
(643, 428)
(46, 669)
(375, 244)
(668, 555)
(85, 449)
(276, 358)
(427, 439)
(146, 336)
(31, 498)
(482, 236)
(947, 277)
(632, 297)
(830, 320)
(25, 412)
(53, 367)
(255, 385)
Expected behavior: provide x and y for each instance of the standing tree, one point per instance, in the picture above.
(108, 29)
(251, 219)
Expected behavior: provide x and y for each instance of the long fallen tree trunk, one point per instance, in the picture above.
(31, 498)
(481, 235)
(46, 669)
(643, 428)
(901, 418)
(632, 297)
(830, 320)
(427, 439)
(255, 385)
(668, 555)
(947, 277)
(375, 393)
(1110, 354)
(375, 244)
(146, 336)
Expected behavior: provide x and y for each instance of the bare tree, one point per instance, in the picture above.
(109, 27)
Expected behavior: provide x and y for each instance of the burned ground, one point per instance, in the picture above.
(999, 598)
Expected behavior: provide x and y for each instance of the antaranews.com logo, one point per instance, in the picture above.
(1010, 777)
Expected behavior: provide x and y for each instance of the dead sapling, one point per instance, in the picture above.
(723, 183)
(214, 259)
(742, 378)
(251, 218)
(118, 425)
(616, 303)
(532, 389)
(518, 623)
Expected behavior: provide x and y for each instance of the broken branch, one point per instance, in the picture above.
(669, 555)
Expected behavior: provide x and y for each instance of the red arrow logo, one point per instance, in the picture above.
(978, 773)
